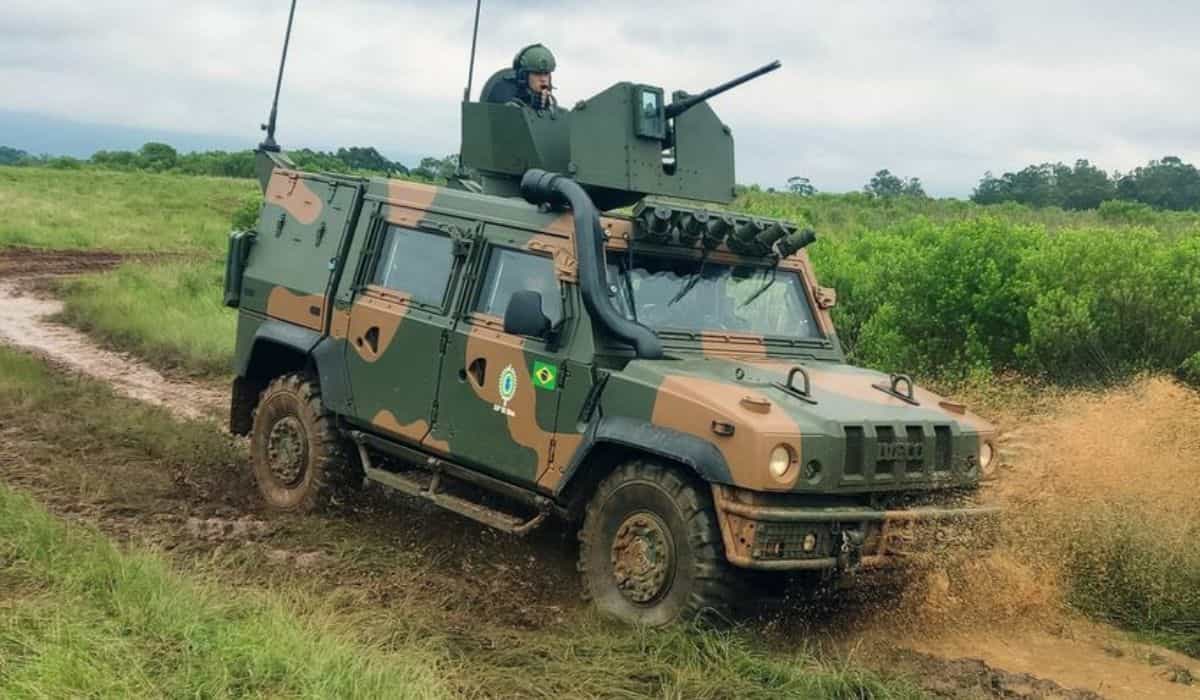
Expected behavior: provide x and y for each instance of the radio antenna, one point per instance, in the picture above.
(269, 143)
(471, 66)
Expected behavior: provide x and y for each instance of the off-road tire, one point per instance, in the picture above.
(299, 459)
(668, 508)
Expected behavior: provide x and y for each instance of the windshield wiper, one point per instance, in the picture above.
(691, 281)
(759, 292)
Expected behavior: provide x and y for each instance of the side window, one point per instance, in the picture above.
(510, 271)
(417, 263)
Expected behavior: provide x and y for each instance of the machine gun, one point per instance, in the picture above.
(679, 107)
(620, 145)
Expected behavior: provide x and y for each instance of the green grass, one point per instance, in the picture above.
(170, 314)
(1138, 570)
(840, 216)
(116, 211)
(79, 616)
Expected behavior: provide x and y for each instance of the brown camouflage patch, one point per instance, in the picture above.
(692, 405)
(290, 192)
(566, 267)
(381, 310)
(417, 432)
(411, 194)
(736, 532)
(501, 351)
(301, 309)
(858, 387)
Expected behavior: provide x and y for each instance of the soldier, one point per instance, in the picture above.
(528, 82)
(534, 66)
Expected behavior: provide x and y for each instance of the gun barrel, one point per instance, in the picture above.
(676, 108)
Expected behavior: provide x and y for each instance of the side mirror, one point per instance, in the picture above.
(524, 315)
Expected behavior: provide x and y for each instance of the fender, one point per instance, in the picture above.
(279, 333)
(700, 455)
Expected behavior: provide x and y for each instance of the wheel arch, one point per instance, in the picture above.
(276, 349)
(612, 441)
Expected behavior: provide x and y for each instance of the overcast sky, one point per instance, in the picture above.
(939, 90)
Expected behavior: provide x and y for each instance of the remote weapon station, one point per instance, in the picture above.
(573, 332)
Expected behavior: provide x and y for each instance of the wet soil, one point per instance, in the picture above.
(26, 312)
(389, 550)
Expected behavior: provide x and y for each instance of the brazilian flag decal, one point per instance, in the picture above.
(545, 376)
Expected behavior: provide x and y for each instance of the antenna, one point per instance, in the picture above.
(471, 66)
(269, 143)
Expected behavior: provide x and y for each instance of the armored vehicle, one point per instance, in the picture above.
(581, 335)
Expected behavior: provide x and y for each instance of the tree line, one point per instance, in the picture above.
(1168, 183)
(164, 158)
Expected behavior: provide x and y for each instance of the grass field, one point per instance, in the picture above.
(984, 289)
(115, 211)
(170, 314)
(80, 616)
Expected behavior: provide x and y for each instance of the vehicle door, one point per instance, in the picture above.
(500, 392)
(397, 327)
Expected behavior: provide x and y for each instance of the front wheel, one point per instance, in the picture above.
(650, 548)
(297, 454)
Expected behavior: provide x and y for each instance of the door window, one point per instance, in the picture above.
(417, 263)
(510, 271)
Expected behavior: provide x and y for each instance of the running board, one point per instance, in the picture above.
(431, 490)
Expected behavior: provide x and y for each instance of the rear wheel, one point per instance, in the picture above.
(298, 457)
(650, 548)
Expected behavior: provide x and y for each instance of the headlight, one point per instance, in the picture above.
(781, 461)
(986, 454)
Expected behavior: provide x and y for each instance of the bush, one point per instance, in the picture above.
(933, 299)
(1125, 212)
(245, 218)
(1189, 371)
(1080, 304)
(1141, 574)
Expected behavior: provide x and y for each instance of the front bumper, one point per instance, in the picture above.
(777, 536)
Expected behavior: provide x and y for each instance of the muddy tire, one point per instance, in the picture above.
(299, 459)
(650, 548)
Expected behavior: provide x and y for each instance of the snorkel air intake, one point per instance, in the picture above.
(541, 187)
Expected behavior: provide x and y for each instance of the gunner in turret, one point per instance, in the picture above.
(529, 81)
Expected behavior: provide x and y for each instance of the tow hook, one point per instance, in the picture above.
(850, 553)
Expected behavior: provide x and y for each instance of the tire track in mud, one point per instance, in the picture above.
(1005, 657)
(25, 313)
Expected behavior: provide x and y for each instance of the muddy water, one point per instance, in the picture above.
(24, 323)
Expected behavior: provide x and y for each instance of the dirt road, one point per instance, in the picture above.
(26, 310)
(989, 628)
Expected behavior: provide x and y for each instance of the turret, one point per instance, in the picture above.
(620, 145)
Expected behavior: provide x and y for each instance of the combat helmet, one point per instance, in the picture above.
(535, 58)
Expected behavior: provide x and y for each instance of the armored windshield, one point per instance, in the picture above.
(668, 293)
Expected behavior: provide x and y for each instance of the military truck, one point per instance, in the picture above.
(582, 335)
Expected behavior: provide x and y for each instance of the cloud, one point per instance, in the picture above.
(939, 90)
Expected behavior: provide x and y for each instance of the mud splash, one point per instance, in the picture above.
(1091, 453)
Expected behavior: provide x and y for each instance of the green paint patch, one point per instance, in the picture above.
(545, 376)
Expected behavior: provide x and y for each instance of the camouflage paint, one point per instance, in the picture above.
(417, 385)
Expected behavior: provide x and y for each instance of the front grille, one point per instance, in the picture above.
(855, 451)
(943, 453)
(786, 541)
(885, 467)
(916, 461)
